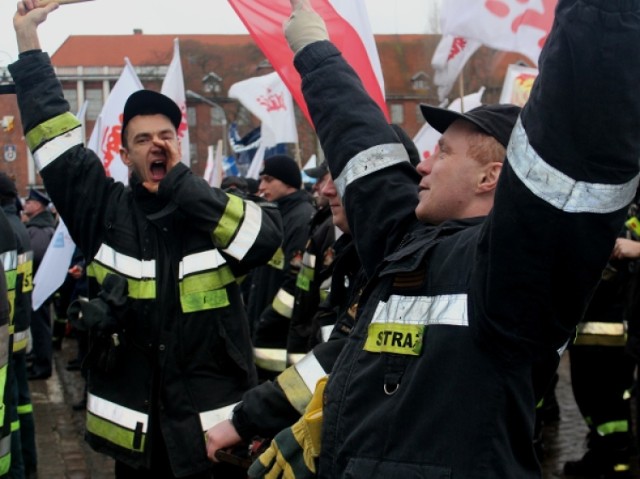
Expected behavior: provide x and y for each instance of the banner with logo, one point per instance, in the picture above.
(517, 85)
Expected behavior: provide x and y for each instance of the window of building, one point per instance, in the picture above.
(419, 117)
(94, 107)
(397, 113)
(191, 116)
(71, 95)
(218, 117)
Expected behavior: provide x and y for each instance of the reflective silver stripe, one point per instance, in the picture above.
(5, 445)
(53, 149)
(309, 260)
(204, 261)
(4, 345)
(325, 331)
(25, 257)
(117, 414)
(293, 358)
(248, 232)
(131, 267)
(310, 370)
(558, 189)
(9, 260)
(448, 309)
(369, 161)
(20, 336)
(605, 329)
(283, 303)
(208, 419)
(270, 359)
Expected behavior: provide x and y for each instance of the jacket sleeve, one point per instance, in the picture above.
(247, 231)
(571, 171)
(359, 143)
(73, 175)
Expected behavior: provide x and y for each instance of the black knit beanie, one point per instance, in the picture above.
(283, 168)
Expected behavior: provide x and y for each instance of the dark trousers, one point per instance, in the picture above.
(25, 414)
(41, 333)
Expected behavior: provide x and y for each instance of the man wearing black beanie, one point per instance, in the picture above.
(271, 294)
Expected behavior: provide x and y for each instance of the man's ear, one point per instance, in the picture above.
(124, 155)
(489, 179)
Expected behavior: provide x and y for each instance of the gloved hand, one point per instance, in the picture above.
(304, 26)
(293, 452)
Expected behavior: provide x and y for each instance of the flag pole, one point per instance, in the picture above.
(461, 89)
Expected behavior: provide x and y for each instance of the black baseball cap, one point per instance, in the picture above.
(317, 172)
(149, 102)
(496, 120)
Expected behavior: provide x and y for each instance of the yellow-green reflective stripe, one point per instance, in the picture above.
(15, 426)
(229, 222)
(56, 126)
(283, 303)
(204, 300)
(208, 419)
(20, 345)
(25, 408)
(4, 346)
(305, 277)
(397, 338)
(595, 327)
(25, 267)
(294, 389)
(138, 289)
(600, 340)
(209, 281)
(5, 454)
(113, 433)
(126, 265)
(621, 467)
(48, 152)
(277, 260)
(3, 382)
(247, 233)
(270, 359)
(12, 301)
(613, 427)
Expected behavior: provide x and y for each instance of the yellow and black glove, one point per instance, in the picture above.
(293, 451)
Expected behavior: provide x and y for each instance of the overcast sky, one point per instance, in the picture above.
(187, 16)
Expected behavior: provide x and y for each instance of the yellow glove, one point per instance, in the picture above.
(304, 27)
(293, 452)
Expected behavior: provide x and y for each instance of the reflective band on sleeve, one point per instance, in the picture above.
(208, 419)
(298, 382)
(20, 341)
(138, 288)
(293, 358)
(270, 359)
(203, 261)
(277, 260)
(369, 161)
(305, 277)
(248, 232)
(3, 385)
(283, 303)
(613, 427)
(53, 127)
(309, 260)
(126, 265)
(595, 327)
(325, 331)
(594, 333)
(52, 150)
(445, 309)
(117, 414)
(229, 221)
(25, 408)
(558, 189)
(9, 260)
(4, 346)
(15, 426)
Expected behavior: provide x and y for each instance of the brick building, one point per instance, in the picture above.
(89, 65)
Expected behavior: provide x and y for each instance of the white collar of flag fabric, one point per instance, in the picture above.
(348, 26)
(173, 87)
(509, 25)
(105, 137)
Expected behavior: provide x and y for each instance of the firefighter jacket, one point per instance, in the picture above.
(8, 281)
(275, 405)
(24, 280)
(271, 297)
(458, 331)
(312, 283)
(179, 355)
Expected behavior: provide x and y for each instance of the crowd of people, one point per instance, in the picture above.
(406, 321)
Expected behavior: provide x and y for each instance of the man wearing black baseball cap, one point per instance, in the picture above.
(170, 346)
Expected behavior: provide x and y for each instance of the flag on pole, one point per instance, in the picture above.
(510, 25)
(53, 267)
(517, 85)
(217, 173)
(449, 59)
(173, 87)
(426, 139)
(349, 29)
(105, 137)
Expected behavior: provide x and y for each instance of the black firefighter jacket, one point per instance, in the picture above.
(180, 356)
(458, 332)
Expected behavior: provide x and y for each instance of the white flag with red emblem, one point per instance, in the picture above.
(426, 139)
(105, 137)
(449, 59)
(512, 25)
(173, 87)
(348, 27)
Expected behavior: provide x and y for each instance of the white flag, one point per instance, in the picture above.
(426, 139)
(268, 99)
(217, 172)
(449, 59)
(510, 25)
(54, 266)
(105, 138)
(173, 87)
